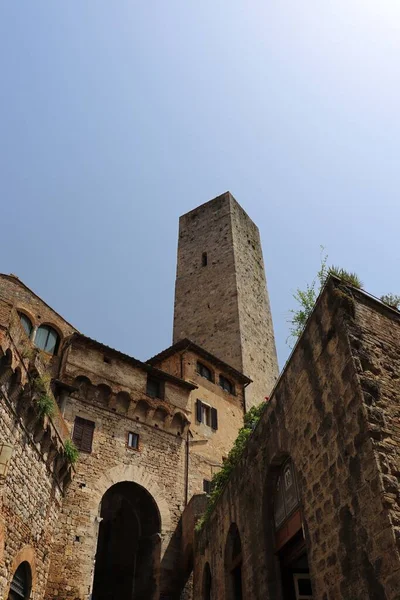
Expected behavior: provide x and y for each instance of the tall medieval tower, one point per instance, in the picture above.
(221, 298)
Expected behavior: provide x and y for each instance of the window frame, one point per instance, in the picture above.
(151, 379)
(201, 369)
(50, 330)
(22, 316)
(128, 438)
(203, 408)
(229, 386)
(84, 442)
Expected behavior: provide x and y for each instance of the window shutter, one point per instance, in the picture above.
(198, 411)
(83, 434)
(214, 418)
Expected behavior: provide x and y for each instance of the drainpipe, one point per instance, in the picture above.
(244, 396)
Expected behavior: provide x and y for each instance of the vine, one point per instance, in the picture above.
(221, 478)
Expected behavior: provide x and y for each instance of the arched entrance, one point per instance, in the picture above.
(20, 588)
(128, 547)
(233, 564)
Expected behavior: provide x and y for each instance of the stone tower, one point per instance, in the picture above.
(221, 298)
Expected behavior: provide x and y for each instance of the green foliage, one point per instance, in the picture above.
(44, 401)
(392, 300)
(71, 451)
(221, 478)
(46, 406)
(306, 299)
(346, 276)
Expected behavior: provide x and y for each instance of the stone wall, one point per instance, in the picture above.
(223, 306)
(31, 494)
(159, 466)
(334, 412)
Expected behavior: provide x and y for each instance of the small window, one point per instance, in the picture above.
(204, 371)
(83, 434)
(26, 323)
(206, 414)
(226, 385)
(286, 497)
(204, 259)
(133, 440)
(47, 339)
(155, 387)
(207, 486)
(107, 360)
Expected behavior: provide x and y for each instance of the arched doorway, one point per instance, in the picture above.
(20, 588)
(128, 548)
(233, 564)
(290, 544)
(207, 582)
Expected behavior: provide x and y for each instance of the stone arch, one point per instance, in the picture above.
(160, 416)
(137, 475)
(233, 560)
(103, 394)
(83, 384)
(178, 424)
(27, 555)
(141, 410)
(122, 402)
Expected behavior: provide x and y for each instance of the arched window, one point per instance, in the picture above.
(20, 588)
(286, 497)
(233, 564)
(47, 339)
(204, 371)
(226, 384)
(26, 323)
(207, 582)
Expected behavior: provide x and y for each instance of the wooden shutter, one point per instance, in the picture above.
(83, 434)
(198, 411)
(214, 418)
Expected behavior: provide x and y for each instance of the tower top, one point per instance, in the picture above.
(221, 299)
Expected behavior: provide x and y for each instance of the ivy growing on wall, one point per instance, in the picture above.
(221, 478)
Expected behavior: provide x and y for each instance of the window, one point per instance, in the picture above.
(21, 585)
(206, 414)
(155, 387)
(26, 324)
(204, 259)
(204, 371)
(83, 434)
(226, 385)
(286, 495)
(47, 339)
(207, 486)
(133, 440)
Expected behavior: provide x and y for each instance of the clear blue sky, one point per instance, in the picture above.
(117, 117)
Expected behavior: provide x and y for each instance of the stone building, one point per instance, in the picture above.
(312, 509)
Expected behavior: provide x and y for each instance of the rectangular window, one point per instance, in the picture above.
(82, 435)
(133, 440)
(204, 259)
(207, 488)
(206, 414)
(155, 387)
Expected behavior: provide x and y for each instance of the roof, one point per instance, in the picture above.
(187, 344)
(21, 283)
(145, 366)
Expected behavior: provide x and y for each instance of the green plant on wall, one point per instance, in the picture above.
(71, 451)
(221, 478)
(44, 400)
(306, 298)
(391, 300)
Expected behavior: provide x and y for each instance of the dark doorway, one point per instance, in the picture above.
(128, 547)
(296, 583)
(233, 564)
(20, 588)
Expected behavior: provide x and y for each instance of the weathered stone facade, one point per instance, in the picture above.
(335, 413)
(221, 298)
